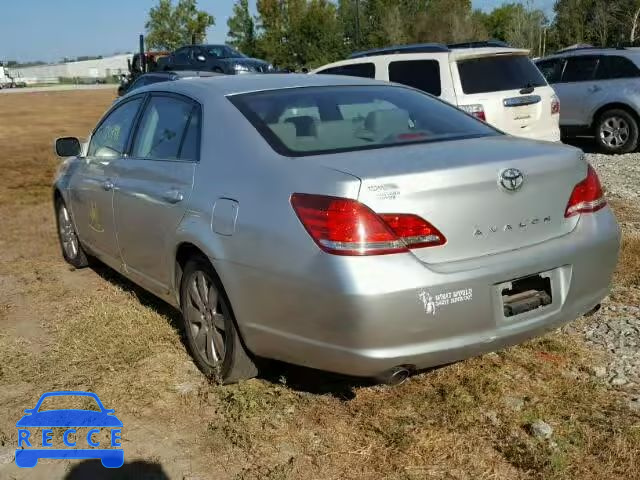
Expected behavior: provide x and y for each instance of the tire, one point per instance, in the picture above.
(616, 131)
(217, 70)
(70, 245)
(210, 327)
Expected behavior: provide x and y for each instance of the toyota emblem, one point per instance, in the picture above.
(511, 179)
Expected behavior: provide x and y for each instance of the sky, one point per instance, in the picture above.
(49, 30)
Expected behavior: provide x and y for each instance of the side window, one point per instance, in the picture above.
(182, 55)
(421, 74)
(110, 138)
(365, 70)
(580, 69)
(191, 144)
(611, 67)
(551, 69)
(162, 129)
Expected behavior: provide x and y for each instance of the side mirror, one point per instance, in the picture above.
(201, 58)
(68, 147)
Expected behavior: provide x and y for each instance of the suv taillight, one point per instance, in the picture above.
(587, 196)
(555, 105)
(476, 110)
(343, 226)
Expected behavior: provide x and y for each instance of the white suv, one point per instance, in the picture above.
(499, 85)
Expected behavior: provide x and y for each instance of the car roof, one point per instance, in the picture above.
(585, 51)
(233, 84)
(463, 53)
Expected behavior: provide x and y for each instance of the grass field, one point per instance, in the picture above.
(93, 330)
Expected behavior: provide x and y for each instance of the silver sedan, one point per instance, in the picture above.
(339, 223)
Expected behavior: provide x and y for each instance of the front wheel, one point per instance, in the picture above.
(210, 328)
(617, 131)
(69, 242)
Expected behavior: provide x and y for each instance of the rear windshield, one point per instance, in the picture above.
(495, 74)
(314, 120)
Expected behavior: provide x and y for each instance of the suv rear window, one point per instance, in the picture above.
(364, 70)
(495, 74)
(421, 74)
(313, 120)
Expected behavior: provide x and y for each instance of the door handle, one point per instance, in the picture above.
(108, 185)
(173, 196)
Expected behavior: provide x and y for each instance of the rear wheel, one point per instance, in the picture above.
(72, 250)
(617, 131)
(210, 328)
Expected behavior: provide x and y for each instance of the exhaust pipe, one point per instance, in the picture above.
(593, 311)
(396, 376)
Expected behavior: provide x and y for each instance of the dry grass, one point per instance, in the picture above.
(628, 272)
(63, 329)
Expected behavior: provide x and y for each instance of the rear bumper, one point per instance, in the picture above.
(363, 316)
(549, 135)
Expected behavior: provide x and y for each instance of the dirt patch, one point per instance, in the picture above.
(93, 330)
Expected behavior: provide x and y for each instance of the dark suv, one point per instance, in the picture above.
(215, 58)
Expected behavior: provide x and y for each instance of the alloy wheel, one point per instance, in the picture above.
(67, 232)
(614, 132)
(205, 321)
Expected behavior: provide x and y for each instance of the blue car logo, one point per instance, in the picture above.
(32, 448)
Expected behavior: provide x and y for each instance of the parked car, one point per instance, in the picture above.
(340, 223)
(215, 58)
(598, 89)
(157, 77)
(497, 84)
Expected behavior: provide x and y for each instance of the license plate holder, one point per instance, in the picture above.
(526, 294)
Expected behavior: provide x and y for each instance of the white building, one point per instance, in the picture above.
(99, 68)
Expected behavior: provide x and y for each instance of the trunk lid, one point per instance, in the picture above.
(456, 186)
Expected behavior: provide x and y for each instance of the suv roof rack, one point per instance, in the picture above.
(412, 48)
(480, 44)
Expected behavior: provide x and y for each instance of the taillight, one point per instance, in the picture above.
(343, 226)
(555, 105)
(476, 110)
(587, 196)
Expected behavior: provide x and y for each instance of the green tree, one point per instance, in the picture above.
(170, 27)
(242, 32)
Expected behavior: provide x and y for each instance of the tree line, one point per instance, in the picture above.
(309, 33)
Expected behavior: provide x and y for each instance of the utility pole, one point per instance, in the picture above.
(357, 23)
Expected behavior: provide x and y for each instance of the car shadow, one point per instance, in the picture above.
(311, 381)
(586, 144)
(145, 298)
(136, 470)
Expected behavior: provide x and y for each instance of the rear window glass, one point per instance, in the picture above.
(421, 74)
(314, 120)
(364, 70)
(499, 73)
(580, 69)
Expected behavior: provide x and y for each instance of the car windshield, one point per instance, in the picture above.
(223, 51)
(314, 120)
(499, 73)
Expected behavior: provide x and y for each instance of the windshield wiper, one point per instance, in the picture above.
(528, 88)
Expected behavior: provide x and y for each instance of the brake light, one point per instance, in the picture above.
(476, 110)
(343, 226)
(555, 105)
(587, 196)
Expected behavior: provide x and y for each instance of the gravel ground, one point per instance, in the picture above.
(615, 329)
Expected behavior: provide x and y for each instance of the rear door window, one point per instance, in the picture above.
(163, 129)
(612, 66)
(498, 73)
(580, 69)
(364, 70)
(421, 74)
(551, 69)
